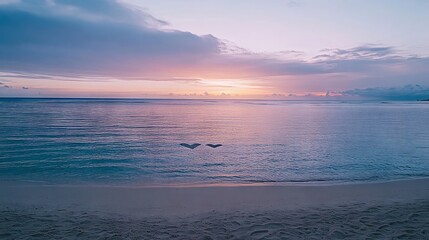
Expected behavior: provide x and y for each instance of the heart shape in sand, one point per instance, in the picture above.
(190, 146)
(214, 145)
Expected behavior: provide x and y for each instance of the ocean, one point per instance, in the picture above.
(137, 141)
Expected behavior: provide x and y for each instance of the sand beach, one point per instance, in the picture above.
(389, 210)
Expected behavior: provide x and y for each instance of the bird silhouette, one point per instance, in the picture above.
(190, 146)
(214, 145)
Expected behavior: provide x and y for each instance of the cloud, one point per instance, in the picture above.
(370, 51)
(80, 40)
(366, 59)
(293, 4)
(3, 84)
(96, 11)
(362, 67)
(91, 37)
(408, 92)
(4, 2)
(108, 38)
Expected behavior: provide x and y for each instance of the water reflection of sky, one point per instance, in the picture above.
(137, 142)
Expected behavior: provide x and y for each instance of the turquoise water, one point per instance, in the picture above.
(108, 141)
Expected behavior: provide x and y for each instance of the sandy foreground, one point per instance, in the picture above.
(391, 210)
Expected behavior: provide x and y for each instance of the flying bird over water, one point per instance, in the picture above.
(190, 146)
(214, 145)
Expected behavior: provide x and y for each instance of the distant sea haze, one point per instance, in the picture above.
(140, 142)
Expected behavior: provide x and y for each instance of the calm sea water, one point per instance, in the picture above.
(80, 141)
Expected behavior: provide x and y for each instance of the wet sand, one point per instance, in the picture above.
(398, 209)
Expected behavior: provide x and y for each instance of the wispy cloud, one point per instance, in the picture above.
(293, 3)
(370, 51)
(408, 92)
(4, 85)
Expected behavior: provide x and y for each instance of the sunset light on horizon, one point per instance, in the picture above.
(216, 49)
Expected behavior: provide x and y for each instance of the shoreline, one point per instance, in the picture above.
(189, 200)
(36, 183)
(389, 210)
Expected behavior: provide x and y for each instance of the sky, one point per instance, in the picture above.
(272, 49)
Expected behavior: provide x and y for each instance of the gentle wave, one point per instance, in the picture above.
(138, 141)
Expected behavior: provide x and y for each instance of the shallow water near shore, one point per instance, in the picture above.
(126, 142)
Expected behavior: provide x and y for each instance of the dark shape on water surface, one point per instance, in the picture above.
(190, 146)
(214, 145)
